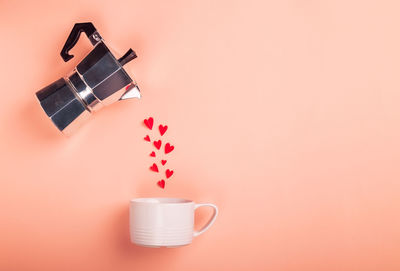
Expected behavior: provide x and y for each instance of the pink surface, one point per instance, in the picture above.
(283, 113)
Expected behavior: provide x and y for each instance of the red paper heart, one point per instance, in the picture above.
(154, 167)
(157, 144)
(147, 138)
(153, 154)
(168, 173)
(168, 148)
(162, 129)
(161, 184)
(149, 122)
(163, 162)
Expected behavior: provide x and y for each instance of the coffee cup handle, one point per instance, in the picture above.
(210, 222)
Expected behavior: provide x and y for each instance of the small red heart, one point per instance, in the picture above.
(153, 154)
(168, 148)
(149, 122)
(147, 138)
(163, 162)
(154, 167)
(168, 173)
(161, 184)
(162, 129)
(157, 144)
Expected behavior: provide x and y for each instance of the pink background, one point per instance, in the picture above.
(283, 113)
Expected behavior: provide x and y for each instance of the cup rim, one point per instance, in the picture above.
(161, 200)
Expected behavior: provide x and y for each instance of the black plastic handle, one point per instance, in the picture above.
(88, 29)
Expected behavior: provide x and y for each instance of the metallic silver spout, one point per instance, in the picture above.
(132, 92)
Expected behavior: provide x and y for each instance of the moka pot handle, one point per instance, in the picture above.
(88, 29)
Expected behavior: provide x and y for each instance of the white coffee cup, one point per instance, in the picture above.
(165, 222)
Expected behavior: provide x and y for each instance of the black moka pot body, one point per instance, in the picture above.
(98, 80)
